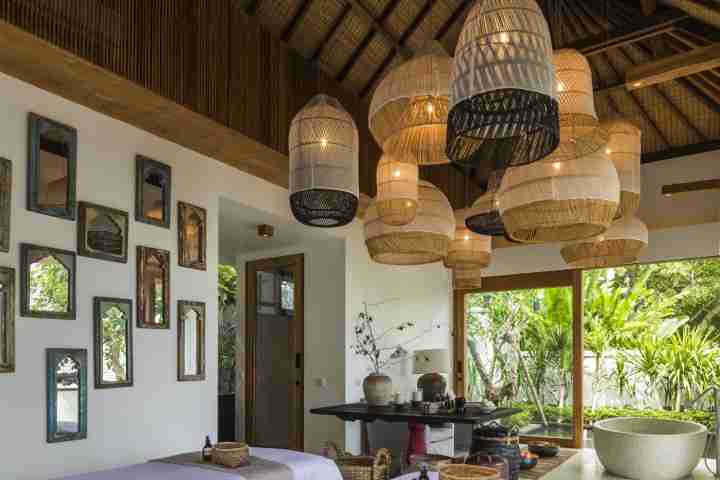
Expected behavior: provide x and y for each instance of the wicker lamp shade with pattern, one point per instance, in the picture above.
(503, 105)
(323, 148)
(397, 189)
(575, 94)
(424, 240)
(621, 244)
(625, 150)
(484, 217)
(467, 250)
(409, 109)
(466, 278)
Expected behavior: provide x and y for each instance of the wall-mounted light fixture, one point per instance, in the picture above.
(265, 231)
(676, 188)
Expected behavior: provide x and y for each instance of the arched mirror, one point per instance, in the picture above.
(102, 232)
(192, 235)
(152, 192)
(191, 341)
(66, 394)
(47, 282)
(113, 342)
(153, 287)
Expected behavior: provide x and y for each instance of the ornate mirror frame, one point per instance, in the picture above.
(54, 356)
(142, 165)
(100, 304)
(5, 203)
(26, 249)
(185, 211)
(183, 307)
(144, 254)
(7, 322)
(117, 217)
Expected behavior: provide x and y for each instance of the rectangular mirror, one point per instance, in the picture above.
(52, 166)
(153, 288)
(152, 192)
(47, 282)
(191, 341)
(102, 232)
(5, 203)
(113, 342)
(7, 320)
(192, 234)
(66, 394)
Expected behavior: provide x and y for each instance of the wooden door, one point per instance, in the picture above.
(274, 349)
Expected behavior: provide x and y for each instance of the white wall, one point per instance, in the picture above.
(158, 415)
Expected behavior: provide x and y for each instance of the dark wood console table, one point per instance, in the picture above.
(413, 417)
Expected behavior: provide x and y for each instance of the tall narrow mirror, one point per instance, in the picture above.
(152, 192)
(113, 342)
(47, 277)
(7, 320)
(153, 288)
(66, 394)
(192, 235)
(5, 203)
(52, 167)
(191, 341)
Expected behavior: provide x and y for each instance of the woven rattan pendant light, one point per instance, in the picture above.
(409, 109)
(484, 217)
(503, 106)
(397, 189)
(424, 240)
(323, 146)
(467, 250)
(467, 278)
(625, 149)
(621, 244)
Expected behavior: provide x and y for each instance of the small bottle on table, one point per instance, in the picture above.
(207, 450)
(424, 473)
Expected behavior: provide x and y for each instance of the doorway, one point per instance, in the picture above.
(274, 352)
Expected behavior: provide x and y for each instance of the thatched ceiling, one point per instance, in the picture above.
(356, 41)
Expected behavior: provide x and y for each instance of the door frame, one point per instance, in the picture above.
(560, 278)
(295, 263)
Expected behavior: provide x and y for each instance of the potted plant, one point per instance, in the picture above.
(377, 386)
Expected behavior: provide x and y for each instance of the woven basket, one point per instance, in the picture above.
(433, 462)
(468, 472)
(231, 454)
(559, 220)
(360, 467)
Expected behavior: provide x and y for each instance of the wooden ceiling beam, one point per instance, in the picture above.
(331, 32)
(461, 9)
(683, 151)
(419, 18)
(676, 66)
(295, 20)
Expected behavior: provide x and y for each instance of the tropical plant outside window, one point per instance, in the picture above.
(49, 285)
(227, 294)
(651, 344)
(115, 347)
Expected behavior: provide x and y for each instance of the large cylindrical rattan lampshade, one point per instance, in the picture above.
(560, 200)
(424, 240)
(397, 189)
(503, 106)
(323, 148)
(467, 278)
(467, 250)
(625, 149)
(409, 109)
(621, 244)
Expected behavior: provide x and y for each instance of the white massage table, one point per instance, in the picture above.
(304, 466)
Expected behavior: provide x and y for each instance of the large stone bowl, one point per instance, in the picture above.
(649, 448)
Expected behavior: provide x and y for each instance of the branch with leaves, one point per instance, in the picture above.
(368, 342)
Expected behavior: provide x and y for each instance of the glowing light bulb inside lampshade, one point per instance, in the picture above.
(397, 189)
(504, 37)
(430, 108)
(468, 250)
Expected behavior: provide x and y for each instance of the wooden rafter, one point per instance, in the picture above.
(674, 67)
(462, 7)
(419, 18)
(295, 20)
(331, 32)
(376, 27)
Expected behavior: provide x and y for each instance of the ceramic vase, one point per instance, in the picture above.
(378, 389)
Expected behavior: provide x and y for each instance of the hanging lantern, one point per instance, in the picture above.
(409, 109)
(621, 244)
(467, 278)
(323, 145)
(467, 250)
(424, 240)
(484, 216)
(574, 86)
(560, 200)
(625, 149)
(503, 106)
(397, 189)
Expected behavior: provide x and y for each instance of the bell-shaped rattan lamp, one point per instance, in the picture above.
(503, 106)
(323, 147)
(575, 94)
(467, 278)
(621, 244)
(625, 149)
(397, 189)
(467, 250)
(484, 217)
(424, 240)
(409, 109)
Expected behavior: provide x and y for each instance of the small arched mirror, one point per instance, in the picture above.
(153, 285)
(192, 235)
(191, 341)
(47, 282)
(113, 342)
(102, 232)
(67, 394)
(153, 184)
